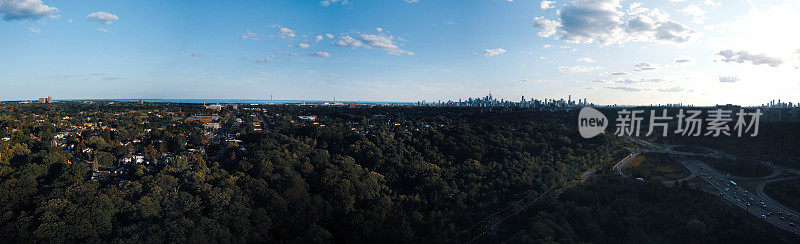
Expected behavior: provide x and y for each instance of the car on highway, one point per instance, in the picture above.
(763, 216)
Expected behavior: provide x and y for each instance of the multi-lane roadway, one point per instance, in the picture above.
(625, 161)
(754, 201)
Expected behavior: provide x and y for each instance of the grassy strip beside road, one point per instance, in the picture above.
(691, 149)
(786, 192)
(739, 167)
(656, 167)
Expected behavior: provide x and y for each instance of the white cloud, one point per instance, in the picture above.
(673, 32)
(654, 25)
(348, 41)
(622, 73)
(531, 80)
(26, 10)
(730, 56)
(303, 45)
(547, 46)
(684, 60)
(728, 78)
(101, 29)
(586, 60)
(318, 38)
(329, 36)
(264, 61)
(697, 14)
(586, 21)
(546, 27)
(636, 81)
(712, 3)
(286, 33)
(411, 1)
(287, 53)
(250, 35)
(643, 67)
(379, 29)
(546, 4)
(604, 22)
(35, 30)
(326, 3)
(197, 54)
(623, 88)
(764, 31)
(386, 43)
(321, 55)
(102, 17)
(578, 69)
(493, 52)
(673, 89)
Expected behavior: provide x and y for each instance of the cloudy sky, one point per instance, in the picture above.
(610, 51)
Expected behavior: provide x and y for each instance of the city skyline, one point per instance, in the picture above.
(701, 52)
(484, 101)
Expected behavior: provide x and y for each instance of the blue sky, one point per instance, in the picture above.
(611, 51)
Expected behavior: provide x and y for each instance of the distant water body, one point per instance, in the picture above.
(238, 101)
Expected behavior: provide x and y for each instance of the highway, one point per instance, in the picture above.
(585, 176)
(741, 197)
(625, 161)
(754, 201)
(768, 200)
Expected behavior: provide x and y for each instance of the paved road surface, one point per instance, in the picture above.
(585, 176)
(672, 182)
(739, 196)
(618, 167)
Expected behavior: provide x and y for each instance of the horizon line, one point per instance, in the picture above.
(358, 101)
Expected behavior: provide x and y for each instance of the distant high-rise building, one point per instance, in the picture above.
(46, 99)
(217, 107)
